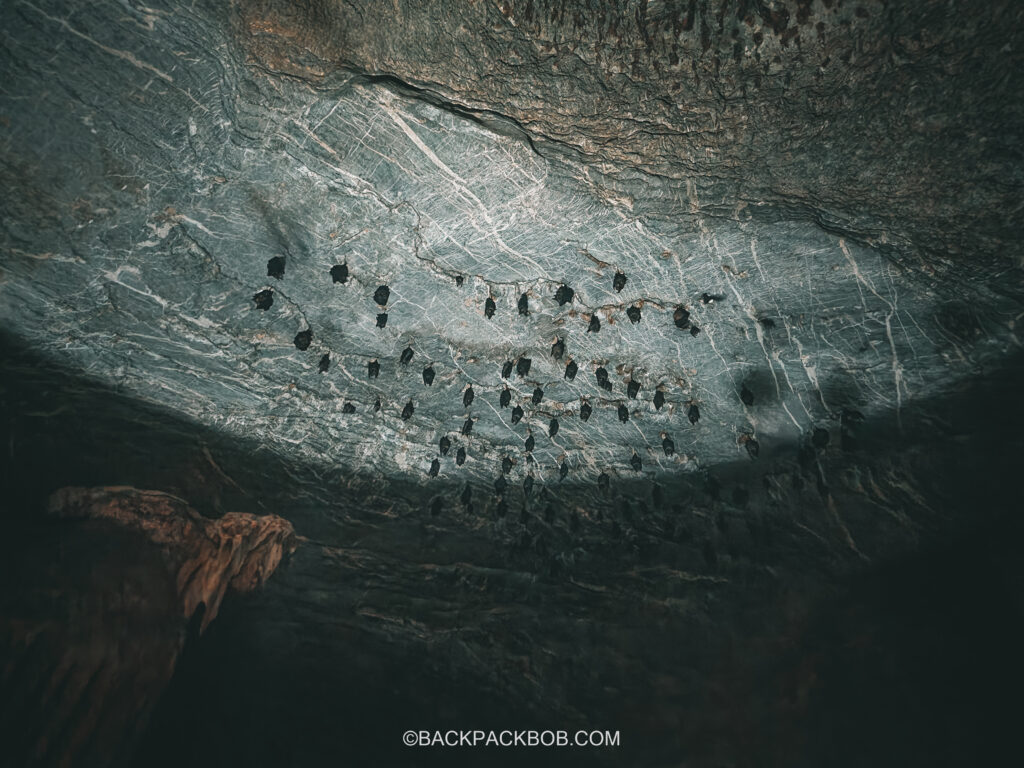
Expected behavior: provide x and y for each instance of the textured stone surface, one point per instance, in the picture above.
(207, 557)
(151, 206)
(811, 204)
(95, 610)
(899, 122)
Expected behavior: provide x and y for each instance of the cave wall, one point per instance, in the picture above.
(291, 259)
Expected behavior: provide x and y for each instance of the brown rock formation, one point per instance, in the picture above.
(97, 610)
(207, 556)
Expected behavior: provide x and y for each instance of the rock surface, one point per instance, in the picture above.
(235, 237)
(95, 612)
(207, 557)
(143, 217)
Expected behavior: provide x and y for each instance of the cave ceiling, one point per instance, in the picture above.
(150, 194)
(709, 249)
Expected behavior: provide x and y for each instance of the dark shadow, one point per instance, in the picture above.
(804, 655)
